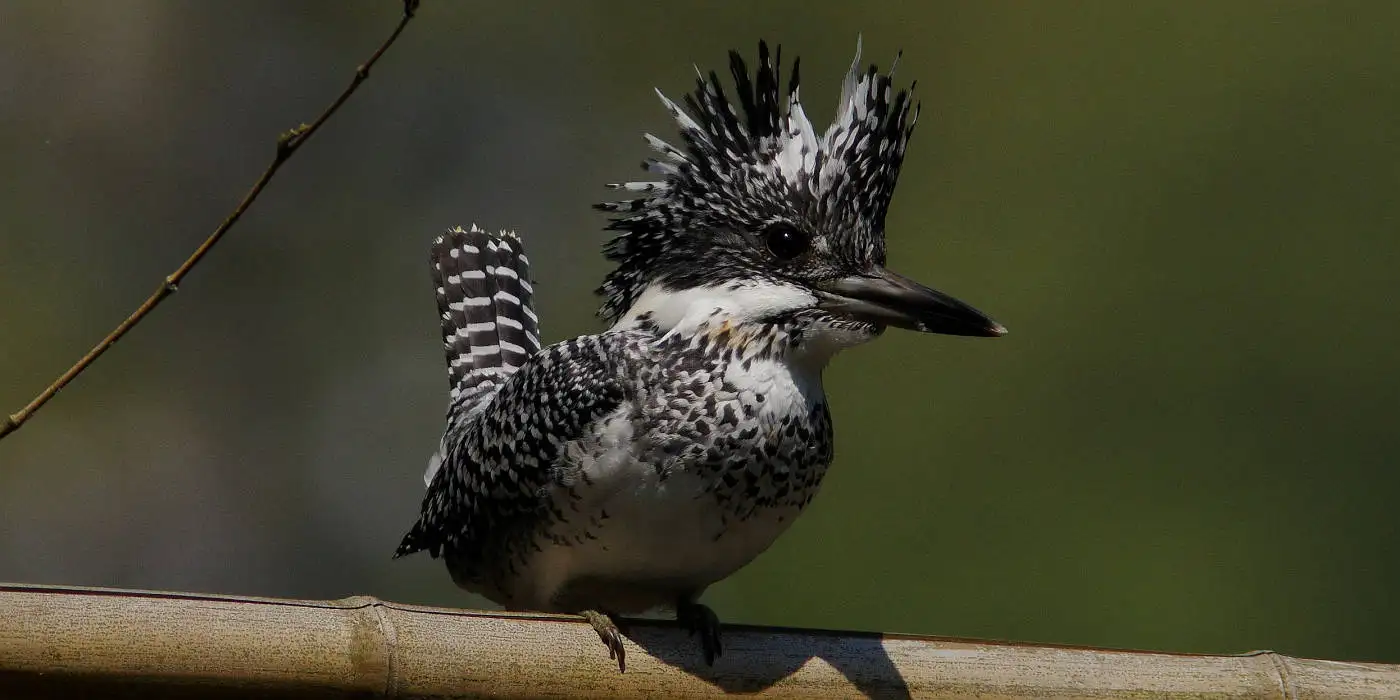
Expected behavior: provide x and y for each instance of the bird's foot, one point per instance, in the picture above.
(607, 631)
(700, 618)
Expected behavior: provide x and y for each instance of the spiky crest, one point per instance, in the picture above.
(764, 165)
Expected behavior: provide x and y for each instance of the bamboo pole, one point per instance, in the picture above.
(78, 642)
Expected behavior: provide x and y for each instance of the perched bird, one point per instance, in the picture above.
(629, 470)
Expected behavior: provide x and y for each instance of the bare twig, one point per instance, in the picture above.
(287, 144)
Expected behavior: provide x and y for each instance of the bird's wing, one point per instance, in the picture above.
(500, 470)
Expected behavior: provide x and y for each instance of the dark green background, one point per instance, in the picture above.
(1184, 211)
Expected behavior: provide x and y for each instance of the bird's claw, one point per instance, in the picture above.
(607, 631)
(700, 618)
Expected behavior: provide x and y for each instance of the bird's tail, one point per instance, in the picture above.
(483, 291)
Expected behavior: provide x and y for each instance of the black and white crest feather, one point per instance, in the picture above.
(759, 162)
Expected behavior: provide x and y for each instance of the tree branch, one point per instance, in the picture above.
(287, 145)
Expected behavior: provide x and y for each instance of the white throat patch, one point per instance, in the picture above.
(683, 311)
(697, 313)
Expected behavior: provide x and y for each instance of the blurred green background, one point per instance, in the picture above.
(1184, 211)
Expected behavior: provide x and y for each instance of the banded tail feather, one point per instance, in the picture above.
(484, 295)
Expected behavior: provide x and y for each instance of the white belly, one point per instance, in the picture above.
(638, 536)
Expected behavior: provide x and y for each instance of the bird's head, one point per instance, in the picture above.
(760, 219)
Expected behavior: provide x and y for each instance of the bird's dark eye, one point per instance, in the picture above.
(786, 241)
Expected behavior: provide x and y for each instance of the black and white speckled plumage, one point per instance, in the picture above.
(525, 473)
(631, 469)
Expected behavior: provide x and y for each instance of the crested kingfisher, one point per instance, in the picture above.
(628, 470)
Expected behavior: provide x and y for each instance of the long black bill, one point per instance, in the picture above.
(888, 299)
